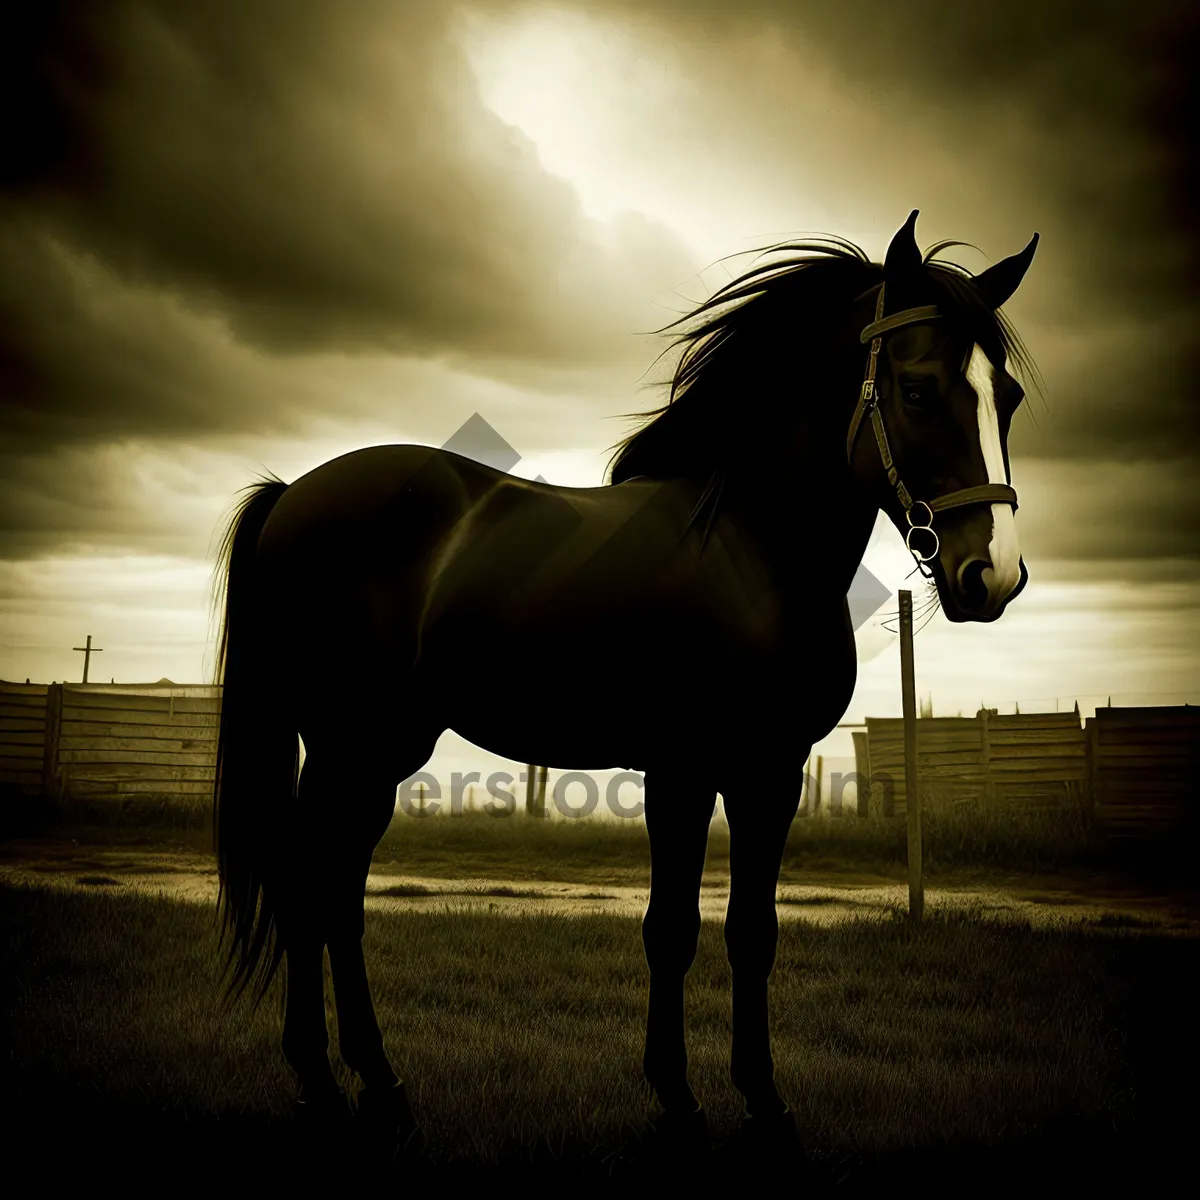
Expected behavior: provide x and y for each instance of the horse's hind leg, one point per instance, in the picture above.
(305, 1038)
(364, 799)
(678, 813)
(302, 933)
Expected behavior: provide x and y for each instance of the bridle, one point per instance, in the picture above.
(920, 525)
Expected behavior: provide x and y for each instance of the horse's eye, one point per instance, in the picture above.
(921, 393)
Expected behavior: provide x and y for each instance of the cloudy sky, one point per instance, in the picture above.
(241, 235)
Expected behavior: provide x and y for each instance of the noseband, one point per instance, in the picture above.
(919, 512)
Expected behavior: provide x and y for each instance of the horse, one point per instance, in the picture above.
(690, 597)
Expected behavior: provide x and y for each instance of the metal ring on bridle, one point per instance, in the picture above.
(923, 556)
(927, 523)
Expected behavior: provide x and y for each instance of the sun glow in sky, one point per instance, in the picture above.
(614, 109)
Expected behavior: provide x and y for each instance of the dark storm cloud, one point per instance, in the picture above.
(1125, 513)
(1078, 111)
(324, 175)
(87, 359)
(1100, 93)
(71, 499)
(309, 166)
(315, 174)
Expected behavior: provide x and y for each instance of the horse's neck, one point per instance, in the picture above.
(810, 516)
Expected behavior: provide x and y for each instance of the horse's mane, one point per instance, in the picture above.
(769, 325)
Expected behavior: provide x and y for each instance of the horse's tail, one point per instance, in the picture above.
(258, 756)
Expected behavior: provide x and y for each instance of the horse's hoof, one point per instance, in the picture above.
(773, 1129)
(682, 1131)
(325, 1106)
(387, 1114)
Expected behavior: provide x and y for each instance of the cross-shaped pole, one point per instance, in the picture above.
(88, 651)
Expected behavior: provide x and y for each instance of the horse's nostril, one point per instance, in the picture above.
(971, 586)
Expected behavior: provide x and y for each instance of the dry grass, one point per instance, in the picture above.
(523, 1032)
(956, 837)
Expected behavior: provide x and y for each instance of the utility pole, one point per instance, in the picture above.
(916, 879)
(88, 651)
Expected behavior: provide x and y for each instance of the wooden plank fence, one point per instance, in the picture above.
(1034, 760)
(1144, 764)
(96, 740)
(1136, 767)
(23, 734)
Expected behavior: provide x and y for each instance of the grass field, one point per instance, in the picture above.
(964, 1048)
(616, 851)
(520, 1037)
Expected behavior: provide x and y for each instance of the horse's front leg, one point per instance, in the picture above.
(760, 814)
(678, 813)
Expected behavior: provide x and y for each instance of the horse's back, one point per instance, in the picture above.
(368, 486)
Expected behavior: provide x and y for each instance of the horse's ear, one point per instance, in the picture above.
(903, 258)
(999, 282)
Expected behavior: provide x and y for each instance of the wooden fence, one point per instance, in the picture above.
(96, 740)
(1136, 768)
(1031, 760)
(23, 735)
(1144, 764)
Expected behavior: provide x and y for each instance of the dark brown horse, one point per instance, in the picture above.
(711, 575)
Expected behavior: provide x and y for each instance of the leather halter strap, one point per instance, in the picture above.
(910, 316)
(868, 404)
(985, 493)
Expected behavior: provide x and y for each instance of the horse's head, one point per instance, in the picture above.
(930, 432)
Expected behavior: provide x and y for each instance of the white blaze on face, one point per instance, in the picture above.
(1004, 550)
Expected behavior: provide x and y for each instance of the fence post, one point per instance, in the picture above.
(51, 779)
(1092, 729)
(862, 767)
(985, 753)
(912, 798)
